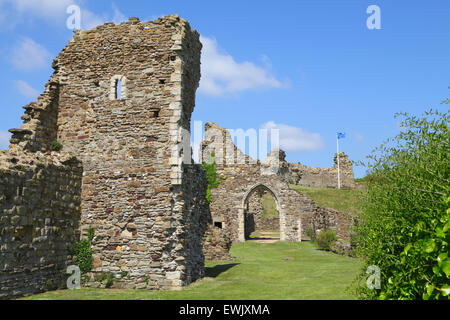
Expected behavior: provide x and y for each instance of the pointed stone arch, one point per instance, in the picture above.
(245, 198)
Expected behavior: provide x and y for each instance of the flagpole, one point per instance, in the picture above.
(338, 164)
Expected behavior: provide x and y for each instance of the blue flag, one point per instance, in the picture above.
(340, 135)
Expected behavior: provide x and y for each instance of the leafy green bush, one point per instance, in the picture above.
(56, 146)
(109, 280)
(311, 234)
(101, 277)
(405, 227)
(326, 239)
(211, 176)
(83, 252)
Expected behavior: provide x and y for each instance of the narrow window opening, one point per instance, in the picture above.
(218, 225)
(118, 91)
(156, 114)
(118, 88)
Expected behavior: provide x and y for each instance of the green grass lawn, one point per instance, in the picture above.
(260, 271)
(270, 206)
(346, 200)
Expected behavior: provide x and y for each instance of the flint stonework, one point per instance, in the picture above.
(148, 209)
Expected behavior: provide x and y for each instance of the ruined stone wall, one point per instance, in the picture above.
(195, 219)
(40, 197)
(267, 223)
(231, 193)
(146, 207)
(327, 218)
(242, 177)
(39, 128)
(133, 180)
(216, 244)
(322, 177)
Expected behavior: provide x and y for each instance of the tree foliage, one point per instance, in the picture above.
(404, 229)
(211, 176)
(83, 252)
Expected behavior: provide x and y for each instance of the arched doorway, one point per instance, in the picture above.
(252, 211)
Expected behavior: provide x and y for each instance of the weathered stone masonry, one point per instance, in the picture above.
(133, 180)
(40, 197)
(148, 209)
(307, 176)
(242, 177)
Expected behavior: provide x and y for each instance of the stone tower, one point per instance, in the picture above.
(119, 99)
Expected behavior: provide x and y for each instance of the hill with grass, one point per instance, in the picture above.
(345, 200)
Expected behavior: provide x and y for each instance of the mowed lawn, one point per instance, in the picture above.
(346, 200)
(276, 271)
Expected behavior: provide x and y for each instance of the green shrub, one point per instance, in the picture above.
(109, 280)
(311, 234)
(56, 146)
(405, 226)
(100, 277)
(211, 176)
(83, 252)
(326, 239)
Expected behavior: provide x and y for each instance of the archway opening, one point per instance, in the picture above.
(261, 215)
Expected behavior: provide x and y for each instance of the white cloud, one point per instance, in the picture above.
(118, 16)
(90, 20)
(55, 11)
(358, 136)
(295, 139)
(222, 74)
(28, 55)
(4, 140)
(41, 8)
(26, 90)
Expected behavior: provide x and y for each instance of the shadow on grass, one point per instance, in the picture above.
(213, 272)
(263, 238)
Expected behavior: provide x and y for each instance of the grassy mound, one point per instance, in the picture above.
(346, 200)
(270, 206)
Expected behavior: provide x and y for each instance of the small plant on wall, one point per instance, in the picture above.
(211, 176)
(83, 252)
(56, 146)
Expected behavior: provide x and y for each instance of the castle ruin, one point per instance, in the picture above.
(119, 104)
(234, 210)
(118, 101)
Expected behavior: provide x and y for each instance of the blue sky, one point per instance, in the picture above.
(309, 68)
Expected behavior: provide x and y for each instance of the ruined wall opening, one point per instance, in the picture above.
(118, 89)
(261, 214)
